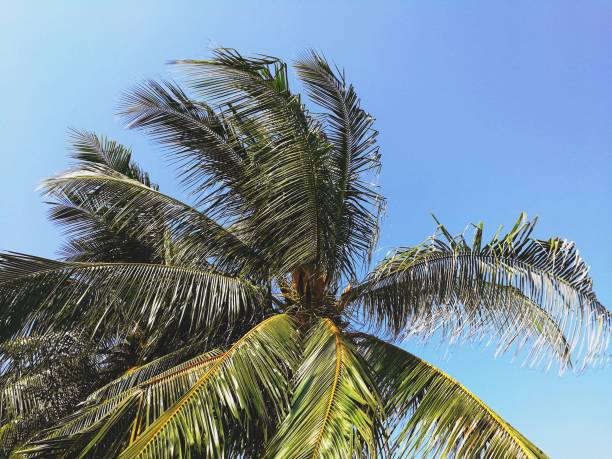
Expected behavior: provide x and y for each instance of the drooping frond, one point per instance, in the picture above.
(38, 293)
(160, 391)
(354, 154)
(146, 214)
(334, 409)
(432, 415)
(521, 324)
(290, 195)
(229, 397)
(509, 287)
(90, 221)
(232, 404)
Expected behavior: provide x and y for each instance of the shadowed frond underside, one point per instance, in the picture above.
(516, 289)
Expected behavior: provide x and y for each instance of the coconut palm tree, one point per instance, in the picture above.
(245, 324)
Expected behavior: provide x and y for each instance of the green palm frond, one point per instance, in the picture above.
(213, 390)
(202, 144)
(92, 234)
(335, 406)
(36, 292)
(462, 289)
(146, 214)
(432, 415)
(90, 221)
(161, 389)
(291, 196)
(354, 154)
(31, 366)
(9, 436)
(103, 437)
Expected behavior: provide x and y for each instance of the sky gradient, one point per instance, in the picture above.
(484, 111)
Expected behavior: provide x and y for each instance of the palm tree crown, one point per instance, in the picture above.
(240, 325)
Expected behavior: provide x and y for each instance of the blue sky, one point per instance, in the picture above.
(485, 109)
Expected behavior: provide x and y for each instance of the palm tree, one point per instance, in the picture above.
(242, 324)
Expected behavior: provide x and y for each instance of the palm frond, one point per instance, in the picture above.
(93, 149)
(213, 390)
(36, 292)
(89, 220)
(478, 289)
(202, 144)
(248, 382)
(104, 436)
(146, 215)
(334, 407)
(289, 195)
(92, 233)
(432, 415)
(354, 154)
(137, 375)
(162, 390)
(523, 325)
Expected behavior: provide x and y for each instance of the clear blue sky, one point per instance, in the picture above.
(485, 109)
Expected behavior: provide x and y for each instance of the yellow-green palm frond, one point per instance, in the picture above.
(432, 415)
(335, 406)
(247, 382)
(219, 403)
